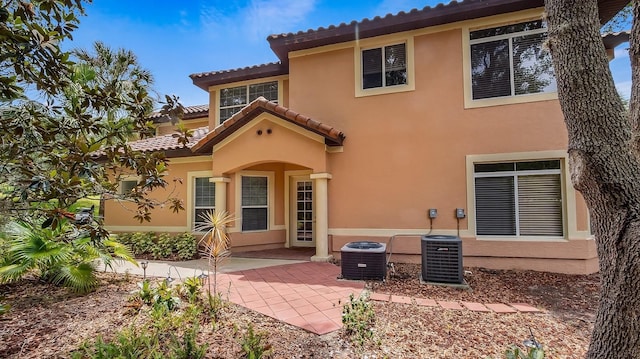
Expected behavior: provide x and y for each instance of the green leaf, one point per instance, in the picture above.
(47, 223)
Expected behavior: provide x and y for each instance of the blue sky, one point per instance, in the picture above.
(174, 39)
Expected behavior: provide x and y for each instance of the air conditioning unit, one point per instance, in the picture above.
(364, 260)
(442, 259)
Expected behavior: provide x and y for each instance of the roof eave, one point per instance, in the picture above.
(206, 80)
(415, 19)
(611, 40)
(332, 136)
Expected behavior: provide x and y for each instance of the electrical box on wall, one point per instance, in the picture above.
(460, 213)
(433, 213)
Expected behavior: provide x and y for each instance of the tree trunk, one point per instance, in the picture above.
(604, 168)
(634, 56)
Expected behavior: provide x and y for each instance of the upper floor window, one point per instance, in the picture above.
(233, 99)
(511, 61)
(384, 66)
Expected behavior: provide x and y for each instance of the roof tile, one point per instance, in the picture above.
(190, 112)
(332, 135)
(168, 142)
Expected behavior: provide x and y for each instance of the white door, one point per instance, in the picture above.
(302, 219)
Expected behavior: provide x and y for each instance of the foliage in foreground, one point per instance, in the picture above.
(165, 327)
(164, 246)
(168, 320)
(167, 335)
(216, 241)
(67, 118)
(57, 255)
(4, 308)
(254, 345)
(517, 353)
(358, 318)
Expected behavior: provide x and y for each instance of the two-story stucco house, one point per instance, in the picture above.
(361, 128)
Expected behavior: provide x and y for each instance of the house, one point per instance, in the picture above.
(361, 128)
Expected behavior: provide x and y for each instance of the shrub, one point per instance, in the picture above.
(254, 345)
(161, 295)
(185, 245)
(358, 318)
(143, 242)
(517, 353)
(165, 246)
(126, 239)
(166, 335)
(56, 257)
(4, 308)
(192, 287)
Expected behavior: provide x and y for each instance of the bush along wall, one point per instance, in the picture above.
(160, 246)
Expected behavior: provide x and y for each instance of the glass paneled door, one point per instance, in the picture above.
(302, 219)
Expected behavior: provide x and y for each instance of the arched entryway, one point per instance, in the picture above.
(270, 171)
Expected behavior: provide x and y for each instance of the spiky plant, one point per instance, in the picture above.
(51, 255)
(215, 243)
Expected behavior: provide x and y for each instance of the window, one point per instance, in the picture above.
(384, 66)
(519, 199)
(254, 203)
(204, 199)
(510, 61)
(234, 99)
(127, 186)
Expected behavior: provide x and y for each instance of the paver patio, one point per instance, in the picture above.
(304, 294)
(307, 295)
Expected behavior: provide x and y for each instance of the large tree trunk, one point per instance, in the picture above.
(634, 56)
(603, 168)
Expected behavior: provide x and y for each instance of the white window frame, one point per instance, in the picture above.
(382, 42)
(270, 199)
(195, 207)
(191, 191)
(384, 65)
(497, 21)
(246, 86)
(515, 174)
(510, 38)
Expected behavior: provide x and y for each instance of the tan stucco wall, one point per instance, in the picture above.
(117, 216)
(405, 152)
(408, 155)
(248, 148)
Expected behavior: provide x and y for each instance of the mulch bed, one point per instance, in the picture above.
(49, 322)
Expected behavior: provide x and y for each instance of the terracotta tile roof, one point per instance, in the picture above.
(190, 112)
(282, 44)
(333, 136)
(454, 11)
(206, 79)
(168, 142)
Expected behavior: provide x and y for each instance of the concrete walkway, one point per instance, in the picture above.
(183, 269)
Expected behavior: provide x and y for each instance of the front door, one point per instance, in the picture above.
(302, 219)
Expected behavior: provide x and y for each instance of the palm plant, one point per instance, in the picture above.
(215, 243)
(56, 258)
